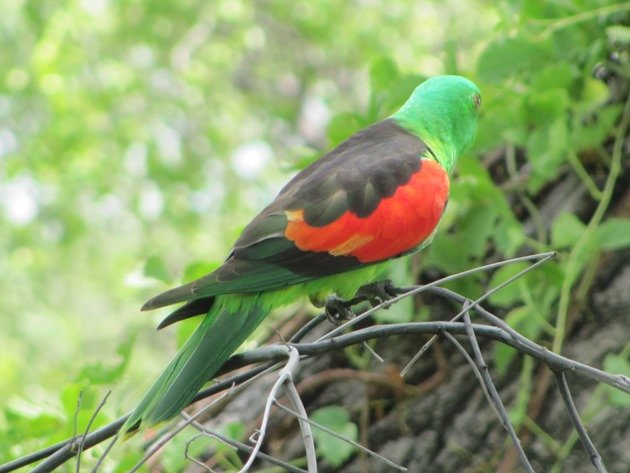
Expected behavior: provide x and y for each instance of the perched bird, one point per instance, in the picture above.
(378, 195)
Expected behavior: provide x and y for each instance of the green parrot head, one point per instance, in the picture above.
(442, 111)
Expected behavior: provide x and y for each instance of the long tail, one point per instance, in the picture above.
(222, 331)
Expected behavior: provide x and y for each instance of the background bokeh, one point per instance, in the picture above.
(137, 138)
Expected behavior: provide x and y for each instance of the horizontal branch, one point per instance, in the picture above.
(539, 352)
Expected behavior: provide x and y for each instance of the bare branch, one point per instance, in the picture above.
(341, 437)
(519, 342)
(305, 427)
(494, 394)
(473, 304)
(551, 359)
(75, 427)
(108, 449)
(376, 356)
(243, 447)
(593, 454)
(87, 429)
(61, 452)
(190, 458)
(473, 366)
(285, 374)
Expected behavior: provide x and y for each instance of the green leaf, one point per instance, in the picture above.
(558, 75)
(614, 234)
(508, 56)
(127, 461)
(332, 449)
(383, 72)
(388, 90)
(583, 254)
(510, 293)
(527, 324)
(198, 269)
(503, 356)
(531, 9)
(547, 147)
(476, 228)
(617, 364)
(566, 230)
(594, 94)
(172, 457)
(502, 119)
(544, 107)
(87, 398)
(101, 373)
(235, 430)
(590, 133)
(618, 34)
(509, 234)
(35, 419)
(156, 268)
(446, 254)
(342, 126)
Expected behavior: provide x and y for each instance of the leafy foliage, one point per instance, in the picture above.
(332, 449)
(137, 135)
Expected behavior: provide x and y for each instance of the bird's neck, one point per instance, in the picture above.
(437, 135)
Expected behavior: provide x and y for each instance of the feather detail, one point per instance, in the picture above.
(397, 225)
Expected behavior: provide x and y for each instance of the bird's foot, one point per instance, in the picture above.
(338, 310)
(377, 292)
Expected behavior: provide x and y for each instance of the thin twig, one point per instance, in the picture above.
(556, 24)
(494, 394)
(243, 447)
(551, 359)
(584, 176)
(592, 452)
(285, 374)
(87, 429)
(305, 427)
(75, 428)
(101, 459)
(58, 458)
(473, 304)
(307, 328)
(472, 364)
(376, 356)
(190, 458)
(341, 437)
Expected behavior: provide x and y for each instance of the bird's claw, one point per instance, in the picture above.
(338, 310)
(378, 292)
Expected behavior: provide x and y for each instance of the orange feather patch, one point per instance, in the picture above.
(399, 223)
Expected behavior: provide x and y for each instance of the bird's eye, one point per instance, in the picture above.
(477, 101)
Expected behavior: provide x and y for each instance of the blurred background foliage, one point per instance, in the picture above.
(137, 137)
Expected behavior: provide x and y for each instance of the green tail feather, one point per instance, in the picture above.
(219, 335)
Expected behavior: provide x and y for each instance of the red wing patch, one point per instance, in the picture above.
(399, 223)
